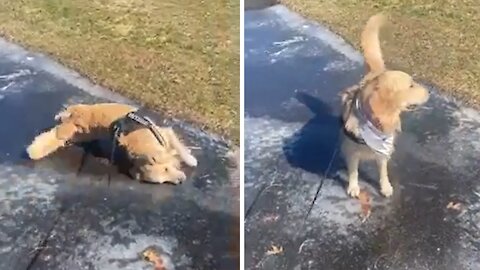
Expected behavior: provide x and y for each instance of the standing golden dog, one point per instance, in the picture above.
(152, 161)
(372, 109)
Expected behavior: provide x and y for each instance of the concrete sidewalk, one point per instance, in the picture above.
(294, 70)
(60, 214)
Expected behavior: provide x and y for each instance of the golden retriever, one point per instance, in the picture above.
(151, 160)
(371, 110)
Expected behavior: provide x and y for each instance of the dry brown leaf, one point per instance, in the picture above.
(152, 256)
(364, 199)
(455, 206)
(274, 250)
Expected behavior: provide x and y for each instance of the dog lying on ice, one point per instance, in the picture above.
(154, 152)
(371, 110)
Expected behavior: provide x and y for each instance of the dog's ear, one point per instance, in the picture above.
(155, 158)
(381, 97)
(384, 105)
(145, 159)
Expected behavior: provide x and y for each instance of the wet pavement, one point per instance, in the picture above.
(60, 213)
(294, 70)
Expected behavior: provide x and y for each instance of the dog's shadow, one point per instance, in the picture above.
(102, 149)
(316, 146)
(312, 147)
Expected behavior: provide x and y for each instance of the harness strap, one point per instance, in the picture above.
(367, 112)
(146, 121)
(117, 128)
(365, 108)
(349, 134)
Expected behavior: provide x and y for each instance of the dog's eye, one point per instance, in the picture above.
(166, 169)
(411, 85)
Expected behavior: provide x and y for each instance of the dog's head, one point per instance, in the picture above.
(162, 173)
(396, 90)
(389, 94)
(161, 168)
(156, 161)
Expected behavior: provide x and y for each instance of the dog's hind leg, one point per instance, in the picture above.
(45, 144)
(50, 141)
(352, 165)
(385, 187)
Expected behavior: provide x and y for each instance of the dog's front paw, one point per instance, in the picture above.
(190, 160)
(178, 178)
(353, 190)
(172, 181)
(386, 189)
(352, 125)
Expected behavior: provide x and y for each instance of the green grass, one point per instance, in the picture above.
(436, 40)
(180, 57)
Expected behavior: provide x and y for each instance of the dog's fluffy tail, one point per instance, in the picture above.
(44, 144)
(181, 149)
(371, 44)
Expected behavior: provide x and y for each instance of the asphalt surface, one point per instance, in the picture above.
(294, 70)
(58, 213)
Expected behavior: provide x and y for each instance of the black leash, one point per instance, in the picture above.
(325, 175)
(116, 131)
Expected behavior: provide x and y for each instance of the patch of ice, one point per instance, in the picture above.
(251, 24)
(4, 88)
(265, 137)
(288, 42)
(287, 52)
(338, 65)
(17, 74)
(465, 137)
(23, 192)
(340, 214)
(300, 24)
(468, 131)
(105, 253)
(18, 184)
